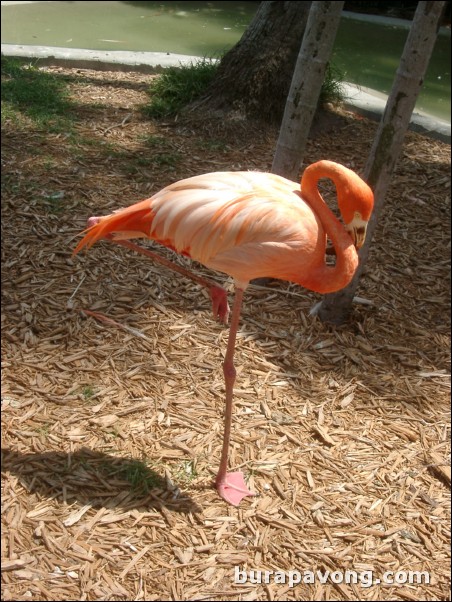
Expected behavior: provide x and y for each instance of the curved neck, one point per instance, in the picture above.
(327, 279)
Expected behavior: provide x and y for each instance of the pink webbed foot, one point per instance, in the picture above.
(220, 305)
(232, 488)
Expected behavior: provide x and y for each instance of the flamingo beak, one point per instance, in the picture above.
(357, 229)
(359, 235)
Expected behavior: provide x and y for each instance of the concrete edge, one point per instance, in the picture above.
(101, 60)
(371, 104)
(363, 101)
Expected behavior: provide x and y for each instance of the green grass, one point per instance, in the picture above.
(178, 87)
(43, 430)
(138, 474)
(132, 162)
(166, 159)
(55, 202)
(88, 392)
(185, 472)
(38, 95)
(332, 88)
(213, 145)
(152, 141)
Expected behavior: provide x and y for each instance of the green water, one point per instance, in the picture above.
(195, 28)
(368, 53)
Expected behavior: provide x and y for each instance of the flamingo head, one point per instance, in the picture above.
(356, 202)
(355, 198)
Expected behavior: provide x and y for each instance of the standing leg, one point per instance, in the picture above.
(231, 486)
(220, 306)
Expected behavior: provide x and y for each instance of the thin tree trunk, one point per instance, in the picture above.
(307, 80)
(387, 146)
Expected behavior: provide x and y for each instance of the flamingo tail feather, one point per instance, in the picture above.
(135, 221)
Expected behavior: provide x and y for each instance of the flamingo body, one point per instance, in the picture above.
(249, 225)
(245, 224)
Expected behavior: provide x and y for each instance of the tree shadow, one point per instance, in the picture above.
(39, 95)
(83, 78)
(96, 479)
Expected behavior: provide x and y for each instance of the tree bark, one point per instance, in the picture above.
(308, 76)
(387, 146)
(254, 77)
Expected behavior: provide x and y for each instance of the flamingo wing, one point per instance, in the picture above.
(235, 222)
(239, 223)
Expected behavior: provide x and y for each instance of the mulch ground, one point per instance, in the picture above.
(111, 434)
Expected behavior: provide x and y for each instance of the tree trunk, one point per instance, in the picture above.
(387, 146)
(305, 89)
(254, 76)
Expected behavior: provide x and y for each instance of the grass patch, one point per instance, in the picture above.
(88, 392)
(178, 87)
(332, 88)
(212, 145)
(166, 159)
(138, 474)
(131, 163)
(43, 430)
(55, 202)
(185, 472)
(154, 142)
(38, 95)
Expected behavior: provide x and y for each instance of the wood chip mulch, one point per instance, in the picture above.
(111, 435)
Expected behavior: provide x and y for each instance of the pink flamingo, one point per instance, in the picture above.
(248, 225)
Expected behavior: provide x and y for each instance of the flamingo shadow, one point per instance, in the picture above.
(96, 479)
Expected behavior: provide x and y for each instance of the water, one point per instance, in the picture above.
(368, 53)
(194, 28)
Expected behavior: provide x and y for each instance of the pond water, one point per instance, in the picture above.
(194, 28)
(367, 52)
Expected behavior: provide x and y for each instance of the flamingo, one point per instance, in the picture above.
(248, 225)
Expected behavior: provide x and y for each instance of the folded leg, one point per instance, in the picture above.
(220, 306)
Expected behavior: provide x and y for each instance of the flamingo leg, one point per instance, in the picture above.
(231, 486)
(220, 306)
